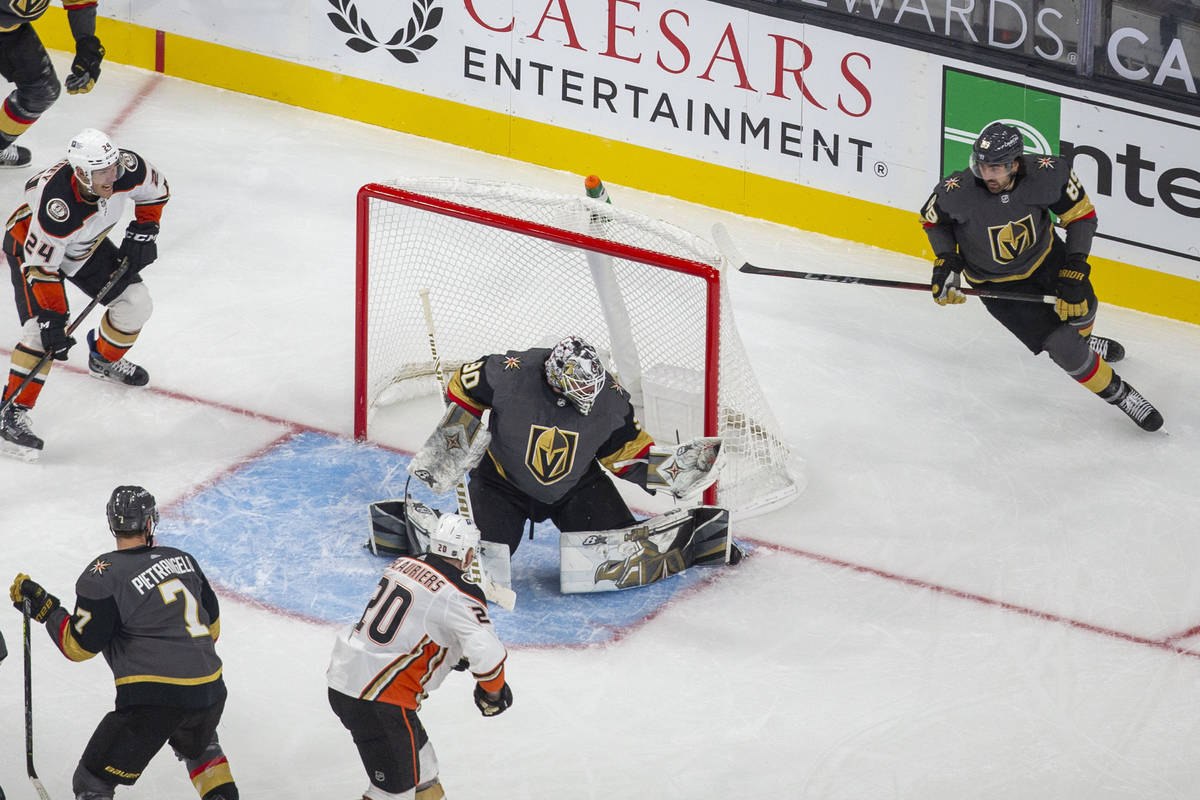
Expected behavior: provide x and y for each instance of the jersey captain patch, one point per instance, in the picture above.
(550, 454)
(1012, 239)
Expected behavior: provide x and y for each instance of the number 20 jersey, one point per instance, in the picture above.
(422, 619)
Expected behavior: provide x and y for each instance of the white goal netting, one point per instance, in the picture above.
(654, 306)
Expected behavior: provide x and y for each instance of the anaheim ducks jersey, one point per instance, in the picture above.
(60, 229)
(155, 617)
(1006, 236)
(422, 619)
(540, 442)
(14, 13)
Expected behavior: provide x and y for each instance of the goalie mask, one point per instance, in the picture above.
(574, 371)
(454, 538)
(130, 509)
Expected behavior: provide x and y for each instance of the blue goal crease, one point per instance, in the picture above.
(287, 530)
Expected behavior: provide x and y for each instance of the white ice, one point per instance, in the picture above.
(986, 591)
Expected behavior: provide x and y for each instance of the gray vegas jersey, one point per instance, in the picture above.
(155, 617)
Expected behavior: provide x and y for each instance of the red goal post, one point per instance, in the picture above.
(507, 267)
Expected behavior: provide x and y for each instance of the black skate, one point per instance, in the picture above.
(16, 437)
(1130, 400)
(121, 371)
(15, 156)
(1109, 349)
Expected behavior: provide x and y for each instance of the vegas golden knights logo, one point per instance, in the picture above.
(1012, 239)
(646, 565)
(550, 454)
(28, 9)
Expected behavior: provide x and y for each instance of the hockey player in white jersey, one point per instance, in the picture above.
(59, 234)
(422, 621)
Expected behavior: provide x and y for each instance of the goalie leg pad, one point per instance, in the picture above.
(605, 561)
(399, 528)
(456, 445)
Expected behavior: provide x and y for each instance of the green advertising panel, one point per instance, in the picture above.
(970, 102)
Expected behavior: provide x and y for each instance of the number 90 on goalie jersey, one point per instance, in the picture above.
(656, 548)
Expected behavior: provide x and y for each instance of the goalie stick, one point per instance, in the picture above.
(502, 596)
(33, 778)
(118, 273)
(725, 242)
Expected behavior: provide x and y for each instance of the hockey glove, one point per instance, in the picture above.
(53, 327)
(139, 245)
(41, 603)
(85, 69)
(489, 706)
(462, 666)
(945, 283)
(685, 469)
(1072, 288)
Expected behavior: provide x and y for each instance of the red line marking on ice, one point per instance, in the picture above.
(148, 88)
(1168, 643)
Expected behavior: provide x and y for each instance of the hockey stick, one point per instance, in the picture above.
(33, 778)
(920, 287)
(501, 595)
(118, 273)
(726, 244)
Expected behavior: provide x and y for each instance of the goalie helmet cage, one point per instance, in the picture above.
(509, 267)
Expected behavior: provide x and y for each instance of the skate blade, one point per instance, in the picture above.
(26, 454)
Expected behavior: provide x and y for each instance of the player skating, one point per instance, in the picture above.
(24, 62)
(152, 613)
(992, 224)
(60, 234)
(423, 620)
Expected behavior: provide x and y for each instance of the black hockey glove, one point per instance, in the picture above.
(139, 245)
(462, 666)
(945, 281)
(85, 69)
(1072, 288)
(489, 707)
(53, 327)
(41, 603)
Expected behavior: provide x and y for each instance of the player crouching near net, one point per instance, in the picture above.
(558, 421)
(423, 620)
(59, 234)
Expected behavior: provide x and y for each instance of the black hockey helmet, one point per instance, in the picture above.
(130, 508)
(998, 143)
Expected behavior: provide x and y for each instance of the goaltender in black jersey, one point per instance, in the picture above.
(993, 225)
(558, 422)
(152, 613)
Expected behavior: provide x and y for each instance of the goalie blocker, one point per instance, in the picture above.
(656, 548)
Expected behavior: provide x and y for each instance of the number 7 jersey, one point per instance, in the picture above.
(422, 618)
(155, 617)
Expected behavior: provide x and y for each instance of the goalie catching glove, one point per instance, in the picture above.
(457, 445)
(685, 469)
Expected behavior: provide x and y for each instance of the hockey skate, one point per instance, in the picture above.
(1110, 350)
(15, 156)
(16, 437)
(1138, 408)
(121, 371)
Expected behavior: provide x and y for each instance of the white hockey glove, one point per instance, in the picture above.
(457, 445)
(685, 469)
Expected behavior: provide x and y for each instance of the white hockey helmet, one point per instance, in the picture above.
(453, 538)
(92, 150)
(573, 369)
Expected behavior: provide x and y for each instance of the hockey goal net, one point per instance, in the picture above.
(507, 267)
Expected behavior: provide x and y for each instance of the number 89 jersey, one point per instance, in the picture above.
(421, 620)
(155, 617)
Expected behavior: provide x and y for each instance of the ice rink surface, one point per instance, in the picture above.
(987, 589)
